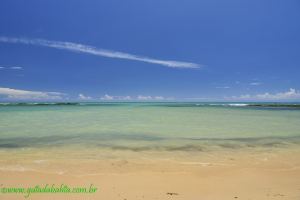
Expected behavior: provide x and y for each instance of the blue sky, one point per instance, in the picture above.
(149, 50)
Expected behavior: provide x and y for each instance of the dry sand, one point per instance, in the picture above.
(221, 176)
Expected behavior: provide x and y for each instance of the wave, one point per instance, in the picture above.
(238, 104)
(228, 104)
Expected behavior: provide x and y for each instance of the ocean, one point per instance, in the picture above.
(146, 126)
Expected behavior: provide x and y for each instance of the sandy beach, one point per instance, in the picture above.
(236, 174)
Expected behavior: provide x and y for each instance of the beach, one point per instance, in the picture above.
(156, 151)
(234, 175)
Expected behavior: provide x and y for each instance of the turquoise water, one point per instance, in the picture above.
(143, 126)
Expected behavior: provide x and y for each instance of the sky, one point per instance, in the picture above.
(192, 50)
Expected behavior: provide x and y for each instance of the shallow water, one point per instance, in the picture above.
(148, 126)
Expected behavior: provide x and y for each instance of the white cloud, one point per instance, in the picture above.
(107, 97)
(14, 68)
(18, 68)
(148, 98)
(125, 98)
(143, 98)
(255, 83)
(159, 98)
(29, 95)
(83, 97)
(80, 48)
(291, 94)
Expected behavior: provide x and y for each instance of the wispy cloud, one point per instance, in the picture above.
(17, 94)
(291, 94)
(81, 48)
(222, 87)
(255, 83)
(17, 68)
(13, 68)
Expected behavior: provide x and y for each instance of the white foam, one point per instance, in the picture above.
(238, 104)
